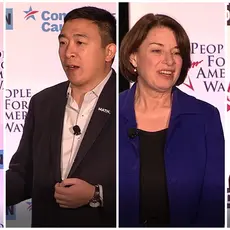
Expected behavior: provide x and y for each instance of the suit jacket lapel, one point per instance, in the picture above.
(126, 110)
(56, 119)
(105, 106)
(182, 105)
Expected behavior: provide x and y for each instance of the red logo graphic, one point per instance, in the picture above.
(30, 13)
(189, 84)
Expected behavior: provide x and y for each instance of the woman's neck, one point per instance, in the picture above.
(149, 99)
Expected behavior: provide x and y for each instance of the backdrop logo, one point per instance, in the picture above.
(30, 13)
(16, 107)
(50, 21)
(9, 18)
(189, 83)
(208, 70)
(11, 213)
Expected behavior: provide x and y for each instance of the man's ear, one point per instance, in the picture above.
(110, 52)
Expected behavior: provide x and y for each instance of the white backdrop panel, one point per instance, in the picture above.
(32, 65)
(204, 24)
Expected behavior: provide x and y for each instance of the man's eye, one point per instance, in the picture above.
(79, 42)
(61, 43)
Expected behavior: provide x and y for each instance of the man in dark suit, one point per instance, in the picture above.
(66, 159)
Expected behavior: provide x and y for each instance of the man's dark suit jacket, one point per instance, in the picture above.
(35, 167)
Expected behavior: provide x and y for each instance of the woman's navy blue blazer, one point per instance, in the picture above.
(194, 163)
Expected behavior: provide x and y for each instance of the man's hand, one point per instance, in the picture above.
(73, 193)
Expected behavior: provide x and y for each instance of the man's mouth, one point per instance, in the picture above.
(71, 67)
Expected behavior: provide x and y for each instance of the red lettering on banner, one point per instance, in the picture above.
(195, 63)
(189, 84)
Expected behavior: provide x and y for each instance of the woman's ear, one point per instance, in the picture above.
(133, 59)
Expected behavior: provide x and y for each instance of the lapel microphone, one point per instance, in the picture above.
(76, 130)
(132, 133)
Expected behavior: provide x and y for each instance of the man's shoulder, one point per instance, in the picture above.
(52, 91)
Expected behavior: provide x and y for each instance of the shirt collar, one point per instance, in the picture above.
(97, 90)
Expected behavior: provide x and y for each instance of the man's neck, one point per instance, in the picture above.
(78, 92)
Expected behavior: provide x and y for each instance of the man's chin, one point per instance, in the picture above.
(75, 79)
(77, 83)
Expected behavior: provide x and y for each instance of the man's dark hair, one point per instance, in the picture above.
(105, 21)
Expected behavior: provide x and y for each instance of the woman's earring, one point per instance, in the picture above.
(135, 70)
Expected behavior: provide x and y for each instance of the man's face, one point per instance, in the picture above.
(82, 56)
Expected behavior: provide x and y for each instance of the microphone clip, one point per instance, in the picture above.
(132, 133)
(76, 130)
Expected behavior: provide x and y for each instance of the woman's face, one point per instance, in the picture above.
(158, 60)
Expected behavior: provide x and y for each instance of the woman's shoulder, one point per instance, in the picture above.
(195, 103)
(123, 94)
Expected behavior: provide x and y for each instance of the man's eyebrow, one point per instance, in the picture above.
(80, 35)
(61, 36)
(75, 35)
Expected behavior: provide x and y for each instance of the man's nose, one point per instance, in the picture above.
(70, 51)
